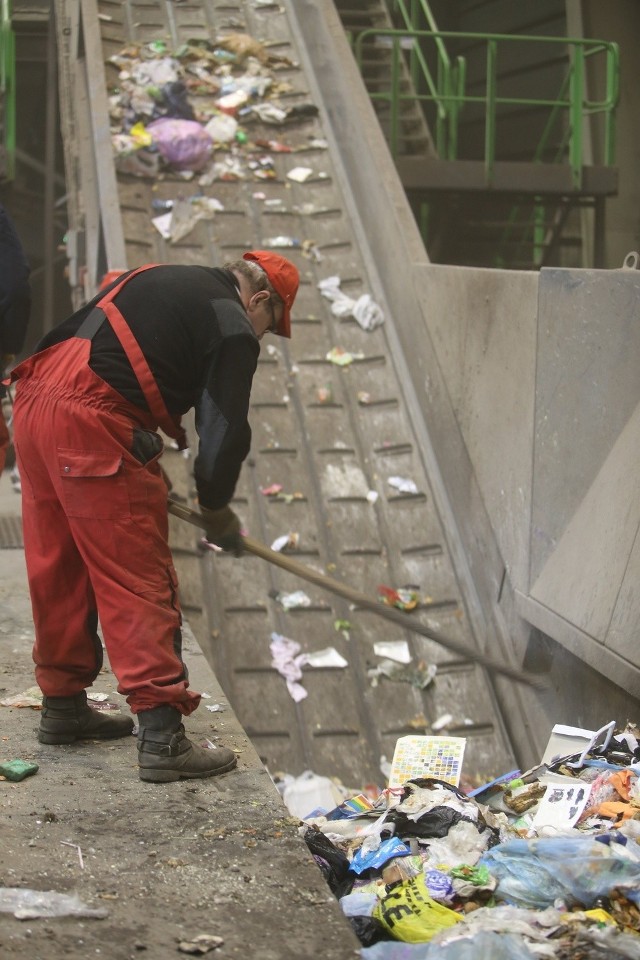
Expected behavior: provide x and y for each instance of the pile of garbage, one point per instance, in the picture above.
(544, 863)
(186, 110)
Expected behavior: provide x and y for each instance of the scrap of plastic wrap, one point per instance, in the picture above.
(374, 859)
(27, 904)
(482, 946)
(287, 660)
(28, 698)
(368, 314)
(295, 600)
(402, 484)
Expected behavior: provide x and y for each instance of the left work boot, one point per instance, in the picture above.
(67, 719)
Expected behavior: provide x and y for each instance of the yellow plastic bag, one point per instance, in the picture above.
(409, 913)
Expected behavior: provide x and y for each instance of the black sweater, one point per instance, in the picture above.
(15, 292)
(203, 352)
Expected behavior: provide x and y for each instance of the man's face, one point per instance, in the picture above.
(263, 313)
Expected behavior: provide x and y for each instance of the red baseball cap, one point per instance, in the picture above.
(284, 278)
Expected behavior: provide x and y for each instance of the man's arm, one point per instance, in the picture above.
(222, 420)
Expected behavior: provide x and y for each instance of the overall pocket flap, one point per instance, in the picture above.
(88, 463)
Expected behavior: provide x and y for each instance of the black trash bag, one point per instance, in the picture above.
(333, 862)
(368, 930)
(438, 821)
(175, 103)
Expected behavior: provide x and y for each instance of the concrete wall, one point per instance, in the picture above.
(483, 327)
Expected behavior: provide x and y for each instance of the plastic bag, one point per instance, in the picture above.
(184, 144)
(482, 946)
(308, 792)
(368, 930)
(333, 862)
(222, 128)
(408, 912)
(28, 904)
(358, 904)
(577, 870)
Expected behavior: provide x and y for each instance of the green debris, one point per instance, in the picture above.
(16, 770)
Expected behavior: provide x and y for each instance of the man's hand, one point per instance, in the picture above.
(223, 529)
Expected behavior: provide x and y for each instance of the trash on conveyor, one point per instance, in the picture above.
(420, 675)
(343, 627)
(184, 214)
(397, 650)
(288, 541)
(341, 357)
(404, 598)
(275, 491)
(368, 314)
(326, 658)
(293, 601)
(403, 484)
(425, 870)
(180, 110)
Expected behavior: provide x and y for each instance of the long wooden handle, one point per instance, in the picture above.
(362, 600)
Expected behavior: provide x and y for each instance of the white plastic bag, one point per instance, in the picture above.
(308, 792)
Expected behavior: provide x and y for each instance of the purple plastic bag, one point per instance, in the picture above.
(184, 144)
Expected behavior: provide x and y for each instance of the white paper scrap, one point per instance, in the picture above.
(300, 174)
(402, 484)
(397, 650)
(561, 805)
(280, 543)
(163, 224)
(329, 657)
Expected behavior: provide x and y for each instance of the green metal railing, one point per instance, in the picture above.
(7, 92)
(441, 82)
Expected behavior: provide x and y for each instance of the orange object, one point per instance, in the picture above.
(109, 277)
(616, 810)
(622, 783)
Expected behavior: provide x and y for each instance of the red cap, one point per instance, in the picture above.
(284, 278)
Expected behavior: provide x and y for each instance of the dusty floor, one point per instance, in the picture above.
(166, 862)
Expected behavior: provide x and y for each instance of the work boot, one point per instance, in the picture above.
(67, 719)
(165, 754)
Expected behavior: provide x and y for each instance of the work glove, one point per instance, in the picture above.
(223, 528)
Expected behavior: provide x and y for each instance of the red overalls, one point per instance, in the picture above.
(96, 525)
(4, 441)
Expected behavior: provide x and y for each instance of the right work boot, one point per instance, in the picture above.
(165, 754)
(67, 719)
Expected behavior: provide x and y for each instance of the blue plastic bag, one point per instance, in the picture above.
(577, 870)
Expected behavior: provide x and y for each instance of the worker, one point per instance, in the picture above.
(156, 342)
(15, 307)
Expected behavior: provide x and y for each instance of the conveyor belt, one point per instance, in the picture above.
(313, 435)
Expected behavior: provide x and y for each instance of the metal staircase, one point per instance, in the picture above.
(407, 130)
(503, 175)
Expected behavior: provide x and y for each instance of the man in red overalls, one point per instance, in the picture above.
(158, 341)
